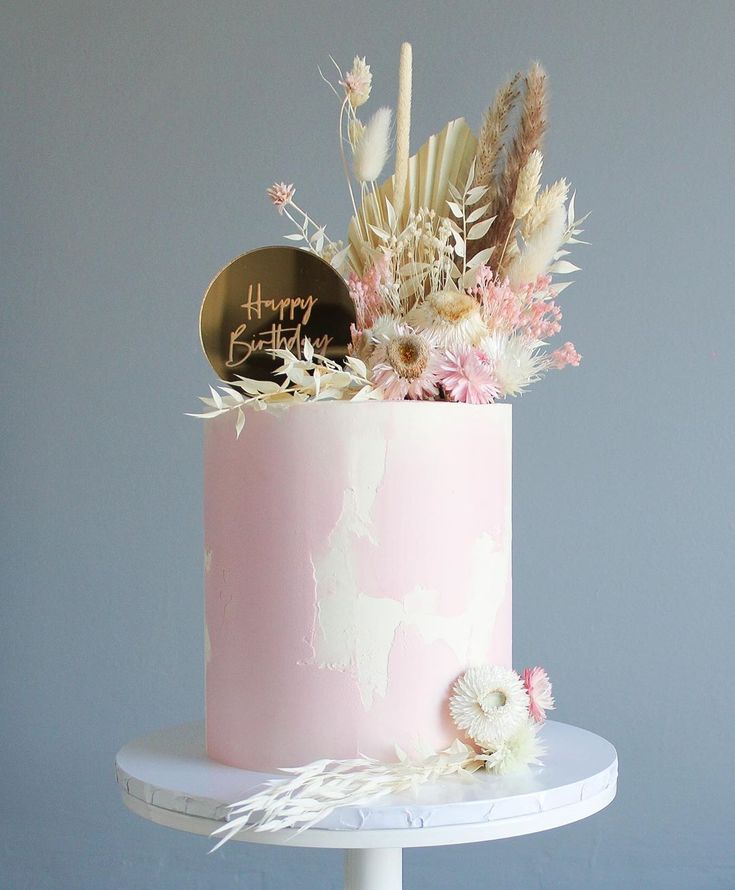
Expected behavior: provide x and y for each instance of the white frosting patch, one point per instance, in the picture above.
(354, 632)
(207, 559)
(466, 634)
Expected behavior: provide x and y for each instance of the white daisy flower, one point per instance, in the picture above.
(490, 704)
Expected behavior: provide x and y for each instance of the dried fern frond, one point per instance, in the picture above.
(547, 201)
(528, 137)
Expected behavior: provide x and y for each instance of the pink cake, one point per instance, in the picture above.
(358, 560)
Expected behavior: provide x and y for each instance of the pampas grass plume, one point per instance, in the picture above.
(372, 151)
(538, 252)
(547, 201)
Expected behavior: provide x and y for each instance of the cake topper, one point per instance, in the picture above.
(273, 298)
(453, 265)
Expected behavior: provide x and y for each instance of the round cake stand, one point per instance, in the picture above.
(167, 778)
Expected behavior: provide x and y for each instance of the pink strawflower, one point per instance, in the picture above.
(538, 687)
(405, 366)
(281, 194)
(566, 355)
(467, 376)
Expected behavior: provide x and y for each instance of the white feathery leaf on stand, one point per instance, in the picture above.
(319, 788)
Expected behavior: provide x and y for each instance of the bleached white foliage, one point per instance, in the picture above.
(311, 378)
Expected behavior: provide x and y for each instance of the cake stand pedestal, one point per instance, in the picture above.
(167, 778)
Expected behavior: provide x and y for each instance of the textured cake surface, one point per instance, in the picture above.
(357, 560)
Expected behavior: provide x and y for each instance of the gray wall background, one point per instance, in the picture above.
(137, 141)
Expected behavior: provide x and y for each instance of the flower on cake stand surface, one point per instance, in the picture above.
(515, 753)
(281, 194)
(538, 687)
(490, 704)
(468, 377)
(405, 366)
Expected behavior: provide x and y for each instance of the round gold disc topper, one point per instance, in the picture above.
(272, 298)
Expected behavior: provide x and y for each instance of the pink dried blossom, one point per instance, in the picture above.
(467, 376)
(528, 311)
(538, 687)
(365, 293)
(541, 319)
(281, 194)
(566, 355)
(500, 306)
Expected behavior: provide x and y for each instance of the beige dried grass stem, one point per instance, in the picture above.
(528, 137)
(492, 133)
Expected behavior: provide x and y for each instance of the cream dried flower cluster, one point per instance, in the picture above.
(497, 709)
(500, 711)
(458, 250)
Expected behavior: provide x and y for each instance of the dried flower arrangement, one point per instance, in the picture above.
(449, 262)
(498, 710)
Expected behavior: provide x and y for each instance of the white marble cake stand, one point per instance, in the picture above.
(166, 777)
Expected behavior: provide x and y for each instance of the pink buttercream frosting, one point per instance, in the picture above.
(358, 559)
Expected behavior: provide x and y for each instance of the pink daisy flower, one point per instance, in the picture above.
(406, 367)
(540, 699)
(467, 376)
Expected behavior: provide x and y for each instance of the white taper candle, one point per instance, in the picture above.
(403, 127)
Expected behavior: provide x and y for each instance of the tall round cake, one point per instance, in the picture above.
(357, 561)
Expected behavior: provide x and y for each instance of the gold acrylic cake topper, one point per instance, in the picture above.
(272, 298)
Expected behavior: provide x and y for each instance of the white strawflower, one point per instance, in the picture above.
(490, 704)
(516, 753)
(516, 362)
(384, 328)
(451, 318)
